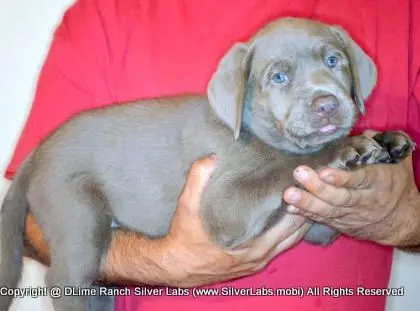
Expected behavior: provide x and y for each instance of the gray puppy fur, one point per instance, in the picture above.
(288, 96)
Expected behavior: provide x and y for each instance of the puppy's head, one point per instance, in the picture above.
(297, 84)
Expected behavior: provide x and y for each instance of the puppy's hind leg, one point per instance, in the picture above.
(78, 232)
(100, 301)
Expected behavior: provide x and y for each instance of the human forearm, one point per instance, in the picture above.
(408, 238)
(131, 258)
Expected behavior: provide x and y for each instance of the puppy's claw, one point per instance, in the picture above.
(366, 157)
(360, 150)
(397, 144)
(398, 152)
(352, 162)
(384, 157)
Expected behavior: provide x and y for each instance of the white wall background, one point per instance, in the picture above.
(25, 32)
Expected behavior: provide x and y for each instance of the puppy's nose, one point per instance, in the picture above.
(325, 106)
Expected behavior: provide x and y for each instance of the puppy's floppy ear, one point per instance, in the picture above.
(363, 68)
(228, 86)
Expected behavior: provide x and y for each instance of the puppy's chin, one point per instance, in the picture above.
(316, 140)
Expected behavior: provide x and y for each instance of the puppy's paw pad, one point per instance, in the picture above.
(397, 144)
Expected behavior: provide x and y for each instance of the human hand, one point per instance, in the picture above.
(378, 202)
(189, 258)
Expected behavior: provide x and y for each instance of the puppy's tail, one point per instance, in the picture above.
(12, 223)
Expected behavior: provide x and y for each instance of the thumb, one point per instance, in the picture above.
(197, 179)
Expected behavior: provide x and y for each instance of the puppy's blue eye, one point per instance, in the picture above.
(280, 78)
(332, 61)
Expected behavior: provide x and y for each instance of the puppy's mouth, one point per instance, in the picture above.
(321, 129)
(323, 132)
(318, 138)
(319, 135)
(328, 129)
(307, 131)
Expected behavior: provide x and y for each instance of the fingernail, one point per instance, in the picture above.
(301, 174)
(329, 177)
(294, 196)
(292, 209)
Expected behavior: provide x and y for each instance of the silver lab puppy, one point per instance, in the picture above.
(288, 96)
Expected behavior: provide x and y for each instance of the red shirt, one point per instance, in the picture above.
(106, 52)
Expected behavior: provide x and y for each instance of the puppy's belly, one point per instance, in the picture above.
(147, 210)
(142, 187)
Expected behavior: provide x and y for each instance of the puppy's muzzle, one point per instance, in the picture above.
(325, 106)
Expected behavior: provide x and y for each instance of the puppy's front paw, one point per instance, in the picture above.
(358, 151)
(397, 144)
(321, 234)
